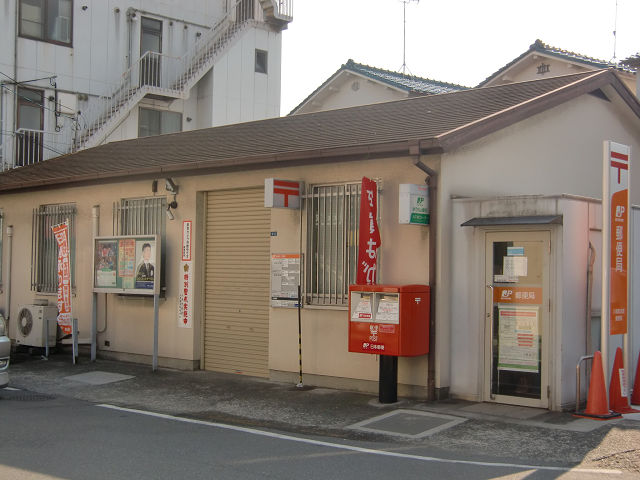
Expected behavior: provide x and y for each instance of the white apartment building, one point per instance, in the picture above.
(79, 73)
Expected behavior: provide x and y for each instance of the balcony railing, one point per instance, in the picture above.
(151, 74)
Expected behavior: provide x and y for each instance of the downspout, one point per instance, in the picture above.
(15, 85)
(95, 231)
(9, 255)
(592, 260)
(432, 185)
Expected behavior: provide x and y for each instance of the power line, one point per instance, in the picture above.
(14, 82)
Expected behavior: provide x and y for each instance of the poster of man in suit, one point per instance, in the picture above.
(145, 265)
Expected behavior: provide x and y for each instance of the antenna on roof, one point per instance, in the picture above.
(615, 35)
(404, 68)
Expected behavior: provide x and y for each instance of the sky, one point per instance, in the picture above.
(456, 41)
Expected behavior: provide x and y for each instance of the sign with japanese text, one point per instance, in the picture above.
(61, 234)
(413, 204)
(285, 278)
(519, 339)
(616, 201)
(185, 292)
(369, 241)
(521, 295)
(126, 264)
(282, 193)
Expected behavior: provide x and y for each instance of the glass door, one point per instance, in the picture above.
(517, 318)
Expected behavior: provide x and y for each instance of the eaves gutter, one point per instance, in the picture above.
(308, 157)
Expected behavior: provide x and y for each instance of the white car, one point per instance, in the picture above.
(5, 352)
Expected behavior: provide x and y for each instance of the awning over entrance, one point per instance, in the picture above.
(521, 220)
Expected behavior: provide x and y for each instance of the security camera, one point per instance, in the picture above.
(171, 186)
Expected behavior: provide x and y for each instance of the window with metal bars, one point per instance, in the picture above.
(44, 248)
(333, 215)
(142, 216)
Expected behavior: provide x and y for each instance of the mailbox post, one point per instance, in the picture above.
(391, 321)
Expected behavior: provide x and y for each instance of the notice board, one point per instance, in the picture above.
(127, 264)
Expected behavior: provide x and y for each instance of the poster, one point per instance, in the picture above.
(285, 278)
(145, 264)
(127, 261)
(106, 261)
(518, 339)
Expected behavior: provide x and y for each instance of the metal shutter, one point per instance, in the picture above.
(236, 333)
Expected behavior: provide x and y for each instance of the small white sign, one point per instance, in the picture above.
(413, 204)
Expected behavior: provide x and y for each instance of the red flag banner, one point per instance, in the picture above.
(369, 233)
(61, 233)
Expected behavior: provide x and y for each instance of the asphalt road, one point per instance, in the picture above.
(64, 438)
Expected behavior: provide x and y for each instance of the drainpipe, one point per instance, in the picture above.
(95, 223)
(15, 85)
(592, 260)
(9, 255)
(432, 185)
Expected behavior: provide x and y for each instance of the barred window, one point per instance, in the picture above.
(333, 213)
(44, 248)
(140, 216)
(143, 216)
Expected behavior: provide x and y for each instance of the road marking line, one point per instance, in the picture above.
(353, 448)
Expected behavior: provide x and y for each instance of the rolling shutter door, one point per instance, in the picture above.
(236, 335)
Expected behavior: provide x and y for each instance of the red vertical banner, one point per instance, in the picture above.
(61, 234)
(618, 231)
(369, 234)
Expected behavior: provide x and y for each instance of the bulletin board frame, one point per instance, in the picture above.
(127, 264)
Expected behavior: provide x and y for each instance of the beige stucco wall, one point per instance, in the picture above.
(527, 69)
(557, 151)
(350, 90)
(129, 320)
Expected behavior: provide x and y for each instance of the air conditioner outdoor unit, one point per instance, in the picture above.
(32, 324)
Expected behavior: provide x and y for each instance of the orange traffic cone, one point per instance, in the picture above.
(618, 401)
(597, 398)
(635, 396)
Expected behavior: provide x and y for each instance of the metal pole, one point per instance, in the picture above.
(300, 384)
(74, 336)
(95, 214)
(156, 304)
(583, 358)
(606, 263)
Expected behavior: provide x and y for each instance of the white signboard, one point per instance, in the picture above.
(185, 281)
(285, 278)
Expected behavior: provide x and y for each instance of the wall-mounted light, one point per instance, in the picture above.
(116, 10)
(170, 186)
(171, 205)
(84, 7)
(189, 119)
(198, 34)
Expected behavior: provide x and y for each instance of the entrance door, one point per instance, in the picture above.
(150, 50)
(517, 318)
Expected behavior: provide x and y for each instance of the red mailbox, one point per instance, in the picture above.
(389, 319)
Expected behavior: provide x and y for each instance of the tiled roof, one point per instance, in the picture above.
(430, 124)
(409, 83)
(541, 47)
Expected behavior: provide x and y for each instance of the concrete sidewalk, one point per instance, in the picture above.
(487, 430)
